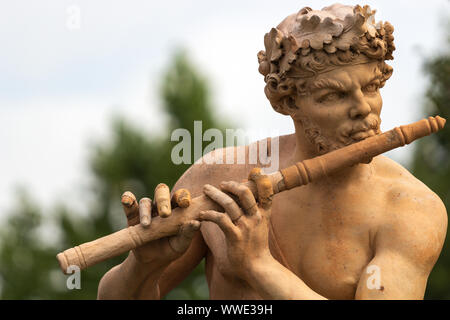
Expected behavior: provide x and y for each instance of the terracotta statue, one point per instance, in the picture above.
(369, 231)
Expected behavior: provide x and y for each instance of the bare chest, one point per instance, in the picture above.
(326, 239)
(326, 242)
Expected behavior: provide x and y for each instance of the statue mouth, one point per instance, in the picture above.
(363, 134)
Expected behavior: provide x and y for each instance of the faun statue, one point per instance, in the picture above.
(369, 231)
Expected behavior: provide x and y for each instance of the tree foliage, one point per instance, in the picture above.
(431, 162)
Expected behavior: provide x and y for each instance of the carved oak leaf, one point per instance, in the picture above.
(354, 28)
(369, 19)
(290, 47)
(272, 42)
(318, 30)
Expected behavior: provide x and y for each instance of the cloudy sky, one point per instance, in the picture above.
(60, 82)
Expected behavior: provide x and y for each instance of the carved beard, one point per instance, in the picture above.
(343, 137)
(314, 136)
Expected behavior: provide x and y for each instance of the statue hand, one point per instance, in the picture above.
(164, 250)
(246, 227)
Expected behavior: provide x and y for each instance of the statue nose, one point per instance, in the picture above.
(360, 108)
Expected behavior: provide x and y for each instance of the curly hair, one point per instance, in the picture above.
(310, 42)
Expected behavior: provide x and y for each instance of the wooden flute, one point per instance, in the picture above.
(302, 173)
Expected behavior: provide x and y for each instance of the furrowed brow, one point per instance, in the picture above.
(327, 84)
(378, 76)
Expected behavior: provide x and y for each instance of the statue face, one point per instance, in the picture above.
(343, 106)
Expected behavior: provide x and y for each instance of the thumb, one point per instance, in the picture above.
(182, 240)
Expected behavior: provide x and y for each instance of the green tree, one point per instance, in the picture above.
(431, 162)
(131, 160)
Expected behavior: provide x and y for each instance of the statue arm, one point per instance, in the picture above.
(274, 281)
(407, 246)
(136, 280)
(178, 270)
(124, 281)
(160, 269)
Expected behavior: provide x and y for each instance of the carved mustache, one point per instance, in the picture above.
(365, 125)
(347, 131)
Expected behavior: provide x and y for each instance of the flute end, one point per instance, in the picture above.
(63, 262)
(440, 121)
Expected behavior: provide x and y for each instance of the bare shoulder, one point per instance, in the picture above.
(209, 169)
(402, 186)
(415, 218)
(234, 163)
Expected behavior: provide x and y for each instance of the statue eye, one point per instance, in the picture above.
(332, 96)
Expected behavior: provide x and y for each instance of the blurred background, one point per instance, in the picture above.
(90, 92)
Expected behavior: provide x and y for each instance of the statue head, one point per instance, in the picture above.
(324, 68)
